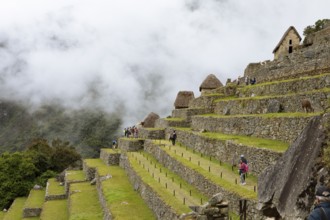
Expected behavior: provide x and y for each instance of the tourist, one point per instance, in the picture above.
(321, 208)
(173, 137)
(242, 170)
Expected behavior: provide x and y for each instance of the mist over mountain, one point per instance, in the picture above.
(82, 71)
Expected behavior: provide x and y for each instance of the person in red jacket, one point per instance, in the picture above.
(242, 171)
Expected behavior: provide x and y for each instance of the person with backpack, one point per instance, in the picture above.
(321, 210)
(242, 171)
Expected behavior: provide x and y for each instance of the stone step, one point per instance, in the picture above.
(166, 193)
(130, 144)
(281, 126)
(110, 156)
(283, 87)
(272, 104)
(206, 174)
(171, 122)
(34, 202)
(83, 202)
(15, 210)
(73, 176)
(116, 193)
(261, 153)
(152, 133)
(55, 190)
(55, 210)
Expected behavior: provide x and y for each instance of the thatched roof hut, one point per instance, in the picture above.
(183, 98)
(149, 121)
(211, 82)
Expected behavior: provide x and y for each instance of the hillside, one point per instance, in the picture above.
(87, 129)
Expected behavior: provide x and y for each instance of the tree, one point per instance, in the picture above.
(319, 25)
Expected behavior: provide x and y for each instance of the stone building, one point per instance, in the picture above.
(149, 121)
(211, 82)
(183, 98)
(289, 41)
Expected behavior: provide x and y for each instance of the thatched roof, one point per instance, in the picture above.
(183, 98)
(284, 35)
(211, 82)
(149, 121)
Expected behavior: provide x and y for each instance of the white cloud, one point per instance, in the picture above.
(136, 54)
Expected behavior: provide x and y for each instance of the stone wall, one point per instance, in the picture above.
(130, 144)
(310, 60)
(188, 112)
(155, 203)
(31, 212)
(151, 133)
(289, 103)
(228, 151)
(286, 87)
(199, 181)
(280, 128)
(204, 101)
(110, 157)
(89, 171)
(164, 123)
(106, 211)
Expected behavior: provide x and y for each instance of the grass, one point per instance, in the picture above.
(2, 214)
(274, 145)
(36, 199)
(111, 151)
(119, 194)
(155, 129)
(268, 115)
(164, 178)
(324, 90)
(120, 197)
(84, 203)
(75, 175)
(16, 209)
(54, 187)
(201, 165)
(174, 119)
(55, 210)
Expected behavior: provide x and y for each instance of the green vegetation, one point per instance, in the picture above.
(172, 179)
(88, 130)
(16, 209)
(55, 210)
(84, 202)
(202, 164)
(174, 119)
(268, 115)
(75, 175)
(36, 199)
(319, 25)
(54, 187)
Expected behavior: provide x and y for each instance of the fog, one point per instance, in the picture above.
(133, 57)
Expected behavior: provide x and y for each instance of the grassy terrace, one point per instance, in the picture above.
(55, 210)
(54, 187)
(111, 151)
(84, 202)
(268, 115)
(284, 81)
(119, 193)
(270, 144)
(36, 199)
(222, 175)
(231, 98)
(75, 175)
(173, 119)
(171, 188)
(2, 215)
(16, 209)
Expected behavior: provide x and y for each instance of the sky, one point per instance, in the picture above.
(133, 57)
